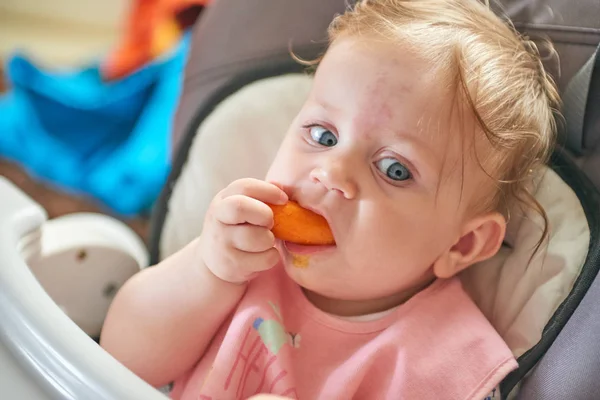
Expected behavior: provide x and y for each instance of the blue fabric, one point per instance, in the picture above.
(110, 140)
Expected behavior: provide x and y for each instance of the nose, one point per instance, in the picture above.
(335, 174)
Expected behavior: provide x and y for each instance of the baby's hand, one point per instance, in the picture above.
(236, 241)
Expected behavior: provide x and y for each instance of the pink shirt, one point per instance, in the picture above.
(436, 345)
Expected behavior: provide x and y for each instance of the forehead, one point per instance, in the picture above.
(382, 85)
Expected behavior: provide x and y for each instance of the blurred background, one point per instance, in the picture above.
(61, 33)
(81, 82)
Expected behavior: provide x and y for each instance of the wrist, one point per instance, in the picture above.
(214, 273)
(228, 280)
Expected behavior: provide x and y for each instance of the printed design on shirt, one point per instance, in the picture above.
(255, 368)
(273, 334)
(492, 395)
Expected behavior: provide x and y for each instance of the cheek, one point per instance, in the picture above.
(414, 229)
(287, 165)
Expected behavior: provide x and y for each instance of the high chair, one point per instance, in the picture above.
(241, 91)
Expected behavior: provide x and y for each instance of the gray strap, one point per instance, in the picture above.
(581, 101)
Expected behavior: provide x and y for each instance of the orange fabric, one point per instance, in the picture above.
(152, 27)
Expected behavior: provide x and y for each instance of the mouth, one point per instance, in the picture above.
(325, 217)
(303, 249)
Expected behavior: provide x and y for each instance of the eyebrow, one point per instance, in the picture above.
(414, 139)
(326, 106)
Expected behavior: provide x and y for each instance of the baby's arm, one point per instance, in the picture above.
(163, 318)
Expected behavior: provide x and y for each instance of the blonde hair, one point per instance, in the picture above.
(498, 73)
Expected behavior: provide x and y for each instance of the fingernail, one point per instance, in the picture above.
(283, 197)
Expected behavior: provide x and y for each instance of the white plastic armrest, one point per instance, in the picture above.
(58, 356)
(82, 260)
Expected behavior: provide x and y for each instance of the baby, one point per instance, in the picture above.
(425, 122)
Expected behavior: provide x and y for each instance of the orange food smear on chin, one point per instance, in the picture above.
(300, 261)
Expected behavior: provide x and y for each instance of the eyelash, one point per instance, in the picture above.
(394, 182)
(307, 136)
(306, 133)
(307, 127)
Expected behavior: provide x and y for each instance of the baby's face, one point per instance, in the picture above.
(375, 151)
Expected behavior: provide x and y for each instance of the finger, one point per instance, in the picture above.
(288, 190)
(242, 266)
(250, 238)
(257, 189)
(258, 262)
(240, 209)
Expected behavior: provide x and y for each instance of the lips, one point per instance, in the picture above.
(302, 249)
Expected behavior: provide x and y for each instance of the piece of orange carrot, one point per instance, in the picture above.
(299, 225)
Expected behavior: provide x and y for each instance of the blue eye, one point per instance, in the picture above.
(323, 136)
(393, 169)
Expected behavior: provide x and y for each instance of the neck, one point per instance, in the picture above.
(352, 308)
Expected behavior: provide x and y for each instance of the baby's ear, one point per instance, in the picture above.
(481, 239)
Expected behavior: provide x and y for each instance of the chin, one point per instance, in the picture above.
(305, 257)
(315, 274)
